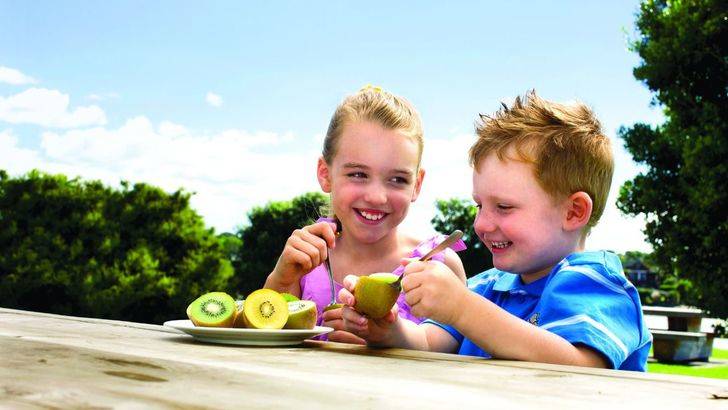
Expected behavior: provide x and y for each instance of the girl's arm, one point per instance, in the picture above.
(508, 337)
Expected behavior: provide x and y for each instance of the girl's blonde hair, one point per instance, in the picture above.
(565, 144)
(373, 104)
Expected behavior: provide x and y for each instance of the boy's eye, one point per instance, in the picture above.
(502, 207)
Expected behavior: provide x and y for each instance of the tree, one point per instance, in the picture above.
(265, 234)
(459, 214)
(684, 193)
(81, 248)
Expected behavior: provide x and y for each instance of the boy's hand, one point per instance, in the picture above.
(432, 290)
(305, 249)
(333, 318)
(374, 331)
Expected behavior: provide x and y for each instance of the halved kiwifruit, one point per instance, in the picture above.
(302, 314)
(265, 309)
(214, 309)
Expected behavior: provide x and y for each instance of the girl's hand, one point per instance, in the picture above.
(432, 290)
(333, 318)
(305, 249)
(373, 331)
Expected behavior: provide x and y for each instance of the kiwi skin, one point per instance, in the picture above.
(305, 318)
(226, 320)
(239, 318)
(374, 296)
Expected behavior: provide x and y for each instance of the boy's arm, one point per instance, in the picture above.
(508, 337)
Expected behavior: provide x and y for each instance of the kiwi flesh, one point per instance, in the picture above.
(302, 314)
(265, 309)
(213, 309)
(374, 296)
(333, 306)
(289, 298)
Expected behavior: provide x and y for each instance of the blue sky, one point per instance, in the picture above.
(230, 100)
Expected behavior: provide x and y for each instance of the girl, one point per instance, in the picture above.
(370, 166)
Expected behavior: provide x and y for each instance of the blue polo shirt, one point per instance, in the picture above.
(585, 299)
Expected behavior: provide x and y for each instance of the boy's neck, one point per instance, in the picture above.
(542, 273)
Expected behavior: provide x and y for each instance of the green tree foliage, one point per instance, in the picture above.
(459, 214)
(265, 235)
(684, 193)
(80, 248)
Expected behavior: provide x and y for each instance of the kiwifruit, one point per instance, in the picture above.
(265, 309)
(374, 297)
(289, 298)
(239, 320)
(214, 309)
(333, 306)
(302, 314)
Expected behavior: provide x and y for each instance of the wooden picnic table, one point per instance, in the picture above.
(53, 361)
(682, 341)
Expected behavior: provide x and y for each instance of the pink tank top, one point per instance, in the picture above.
(315, 285)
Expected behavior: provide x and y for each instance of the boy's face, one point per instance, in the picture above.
(517, 220)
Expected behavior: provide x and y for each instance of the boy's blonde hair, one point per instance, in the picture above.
(565, 144)
(376, 105)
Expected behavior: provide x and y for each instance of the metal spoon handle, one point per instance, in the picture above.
(457, 234)
(331, 278)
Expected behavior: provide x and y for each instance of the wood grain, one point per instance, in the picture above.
(51, 361)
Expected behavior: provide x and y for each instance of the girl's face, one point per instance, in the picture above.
(372, 179)
(517, 220)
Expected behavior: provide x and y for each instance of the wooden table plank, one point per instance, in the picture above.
(55, 361)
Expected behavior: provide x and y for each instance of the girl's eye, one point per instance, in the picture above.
(400, 180)
(356, 175)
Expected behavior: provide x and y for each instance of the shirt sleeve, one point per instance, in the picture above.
(586, 305)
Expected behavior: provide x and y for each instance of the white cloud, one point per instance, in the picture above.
(48, 108)
(15, 77)
(229, 171)
(213, 99)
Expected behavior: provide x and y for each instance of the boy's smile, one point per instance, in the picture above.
(517, 220)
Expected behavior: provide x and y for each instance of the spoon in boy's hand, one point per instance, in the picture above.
(457, 234)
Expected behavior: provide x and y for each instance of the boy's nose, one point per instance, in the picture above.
(483, 224)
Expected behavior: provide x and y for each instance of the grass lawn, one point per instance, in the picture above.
(703, 370)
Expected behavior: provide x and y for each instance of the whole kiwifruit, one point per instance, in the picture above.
(265, 309)
(214, 309)
(302, 314)
(374, 296)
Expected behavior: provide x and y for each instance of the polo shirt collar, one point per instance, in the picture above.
(511, 283)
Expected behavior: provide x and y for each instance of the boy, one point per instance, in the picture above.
(541, 176)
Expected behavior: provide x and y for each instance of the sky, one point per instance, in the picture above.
(230, 100)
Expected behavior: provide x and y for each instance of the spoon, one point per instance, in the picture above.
(457, 234)
(327, 264)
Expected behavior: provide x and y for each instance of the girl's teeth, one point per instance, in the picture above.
(371, 217)
(501, 245)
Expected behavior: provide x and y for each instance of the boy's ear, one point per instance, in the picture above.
(323, 175)
(578, 211)
(418, 184)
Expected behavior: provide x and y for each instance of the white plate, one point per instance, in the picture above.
(251, 337)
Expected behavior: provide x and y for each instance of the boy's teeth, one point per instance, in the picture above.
(371, 217)
(501, 245)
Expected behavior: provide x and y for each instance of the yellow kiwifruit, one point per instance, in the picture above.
(302, 314)
(214, 309)
(374, 296)
(265, 309)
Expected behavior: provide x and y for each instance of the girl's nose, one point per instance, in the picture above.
(376, 194)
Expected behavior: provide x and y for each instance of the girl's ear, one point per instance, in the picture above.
(578, 211)
(418, 184)
(324, 178)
